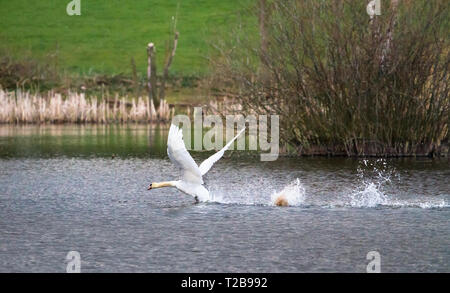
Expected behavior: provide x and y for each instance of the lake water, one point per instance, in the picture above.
(84, 188)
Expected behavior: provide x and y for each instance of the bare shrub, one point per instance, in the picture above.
(27, 73)
(341, 82)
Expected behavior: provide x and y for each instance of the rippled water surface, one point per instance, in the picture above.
(83, 188)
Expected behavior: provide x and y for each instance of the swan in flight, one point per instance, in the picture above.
(191, 179)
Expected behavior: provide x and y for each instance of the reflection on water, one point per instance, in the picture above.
(135, 140)
(83, 188)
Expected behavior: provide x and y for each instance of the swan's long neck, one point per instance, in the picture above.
(164, 184)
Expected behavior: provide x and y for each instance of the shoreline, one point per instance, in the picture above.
(371, 150)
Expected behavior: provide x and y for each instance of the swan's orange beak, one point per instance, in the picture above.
(150, 187)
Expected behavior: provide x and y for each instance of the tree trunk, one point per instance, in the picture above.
(162, 90)
(151, 75)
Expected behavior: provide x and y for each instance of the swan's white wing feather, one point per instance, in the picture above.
(209, 162)
(179, 156)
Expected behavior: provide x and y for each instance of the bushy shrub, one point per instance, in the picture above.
(342, 81)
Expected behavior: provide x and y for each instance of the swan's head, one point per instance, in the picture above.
(161, 184)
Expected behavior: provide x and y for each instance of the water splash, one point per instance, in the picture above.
(255, 194)
(424, 204)
(374, 176)
(370, 197)
(252, 194)
(377, 186)
(294, 193)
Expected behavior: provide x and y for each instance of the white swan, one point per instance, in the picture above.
(191, 182)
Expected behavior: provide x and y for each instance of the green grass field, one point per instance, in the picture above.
(110, 32)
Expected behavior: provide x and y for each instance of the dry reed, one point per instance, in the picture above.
(24, 107)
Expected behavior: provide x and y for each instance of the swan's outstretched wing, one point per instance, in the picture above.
(207, 164)
(179, 155)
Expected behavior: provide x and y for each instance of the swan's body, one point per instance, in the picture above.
(192, 174)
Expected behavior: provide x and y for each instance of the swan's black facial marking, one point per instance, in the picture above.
(150, 187)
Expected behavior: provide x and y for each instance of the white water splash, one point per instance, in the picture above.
(294, 194)
(374, 176)
(427, 204)
(250, 195)
(376, 187)
(370, 197)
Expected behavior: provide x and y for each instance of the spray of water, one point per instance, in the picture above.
(370, 196)
(253, 194)
(294, 193)
(373, 176)
(377, 184)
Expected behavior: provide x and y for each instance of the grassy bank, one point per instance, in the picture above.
(111, 32)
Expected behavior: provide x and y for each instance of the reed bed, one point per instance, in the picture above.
(25, 107)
